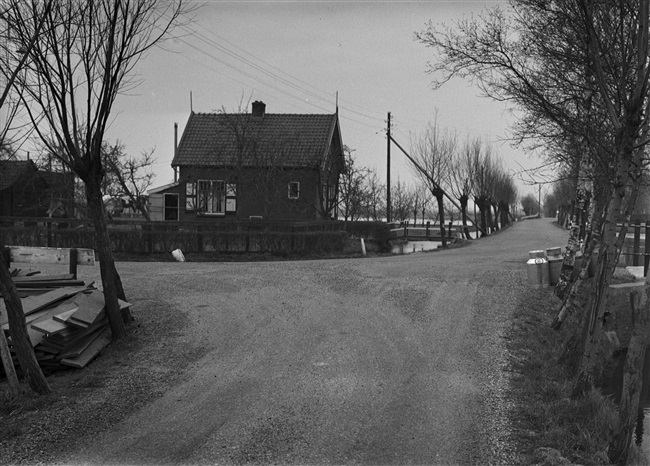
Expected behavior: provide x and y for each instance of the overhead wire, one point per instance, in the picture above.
(190, 31)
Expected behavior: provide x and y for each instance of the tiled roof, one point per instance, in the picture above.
(11, 170)
(286, 140)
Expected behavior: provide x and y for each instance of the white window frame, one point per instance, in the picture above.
(190, 196)
(211, 197)
(297, 189)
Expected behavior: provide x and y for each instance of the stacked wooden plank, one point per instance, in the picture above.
(32, 284)
(67, 326)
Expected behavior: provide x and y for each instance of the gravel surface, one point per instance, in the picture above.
(391, 360)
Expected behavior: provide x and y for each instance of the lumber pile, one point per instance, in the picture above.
(66, 320)
(34, 283)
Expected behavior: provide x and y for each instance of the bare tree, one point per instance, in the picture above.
(461, 181)
(375, 207)
(529, 204)
(11, 67)
(433, 152)
(353, 197)
(132, 175)
(84, 58)
(576, 69)
(504, 194)
(482, 172)
(402, 201)
(421, 198)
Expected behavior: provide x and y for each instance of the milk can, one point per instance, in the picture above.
(554, 257)
(537, 268)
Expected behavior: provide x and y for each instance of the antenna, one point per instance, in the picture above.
(191, 109)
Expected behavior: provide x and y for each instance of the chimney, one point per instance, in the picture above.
(259, 108)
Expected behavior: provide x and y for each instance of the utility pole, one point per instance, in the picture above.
(388, 170)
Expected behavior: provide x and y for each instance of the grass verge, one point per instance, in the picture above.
(545, 415)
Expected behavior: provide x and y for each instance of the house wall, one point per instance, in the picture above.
(29, 196)
(260, 192)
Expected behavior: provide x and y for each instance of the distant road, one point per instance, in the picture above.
(376, 361)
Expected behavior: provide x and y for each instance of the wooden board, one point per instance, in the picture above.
(89, 354)
(49, 326)
(40, 315)
(42, 278)
(34, 303)
(63, 317)
(75, 337)
(89, 308)
(35, 337)
(49, 255)
(48, 284)
(75, 350)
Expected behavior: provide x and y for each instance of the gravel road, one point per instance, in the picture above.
(376, 360)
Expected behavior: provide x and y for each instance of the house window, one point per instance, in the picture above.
(211, 197)
(190, 196)
(294, 189)
(171, 207)
(231, 198)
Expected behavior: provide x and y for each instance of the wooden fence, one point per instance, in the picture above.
(428, 232)
(636, 247)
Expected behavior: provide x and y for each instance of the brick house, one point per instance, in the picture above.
(255, 165)
(26, 191)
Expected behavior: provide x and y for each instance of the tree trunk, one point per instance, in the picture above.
(481, 202)
(8, 364)
(463, 210)
(496, 216)
(143, 209)
(110, 278)
(439, 195)
(19, 337)
(573, 244)
(633, 373)
(609, 251)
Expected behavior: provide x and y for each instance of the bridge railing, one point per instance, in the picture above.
(429, 232)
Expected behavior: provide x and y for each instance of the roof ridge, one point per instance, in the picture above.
(265, 114)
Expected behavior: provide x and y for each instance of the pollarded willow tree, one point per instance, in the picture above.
(83, 59)
(578, 72)
(461, 183)
(432, 153)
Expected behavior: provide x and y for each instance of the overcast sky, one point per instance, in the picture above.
(295, 56)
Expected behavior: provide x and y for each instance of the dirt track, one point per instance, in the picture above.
(384, 360)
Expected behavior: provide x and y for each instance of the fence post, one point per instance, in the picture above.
(646, 249)
(428, 225)
(49, 233)
(5, 255)
(637, 243)
(199, 239)
(73, 262)
(146, 228)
